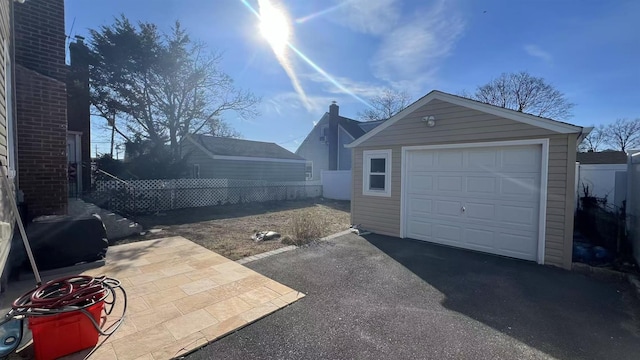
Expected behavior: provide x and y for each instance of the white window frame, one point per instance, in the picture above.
(367, 156)
(307, 178)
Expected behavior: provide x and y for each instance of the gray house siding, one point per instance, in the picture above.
(457, 124)
(315, 150)
(344, 154)
(271, 170)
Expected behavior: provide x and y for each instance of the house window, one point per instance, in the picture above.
(377, 173)
(308, 171)
(196, 171)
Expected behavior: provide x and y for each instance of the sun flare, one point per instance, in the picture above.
(274, 26)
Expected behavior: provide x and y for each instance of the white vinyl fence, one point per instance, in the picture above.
(146, 196)
(336, 184)
(633, 196)
(603, 181)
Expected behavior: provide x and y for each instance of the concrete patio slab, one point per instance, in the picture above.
(181, 296)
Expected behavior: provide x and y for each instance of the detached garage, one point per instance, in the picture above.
(461, 173)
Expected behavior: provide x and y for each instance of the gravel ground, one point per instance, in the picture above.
(227, 229)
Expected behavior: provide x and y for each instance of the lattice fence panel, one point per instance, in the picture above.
(148, 196)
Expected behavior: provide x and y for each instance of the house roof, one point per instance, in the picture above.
(604, 157)
(246, 148)
(545, 123)
(351, 126)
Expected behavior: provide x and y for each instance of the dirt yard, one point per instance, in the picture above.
(227, 229)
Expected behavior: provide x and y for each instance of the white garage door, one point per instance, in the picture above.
(484, 199)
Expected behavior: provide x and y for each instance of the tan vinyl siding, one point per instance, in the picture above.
(457, 124)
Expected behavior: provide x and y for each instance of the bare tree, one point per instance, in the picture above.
(164, 86)
(624, 134)
(525, 93)
(596, 140)
(217, 127)
(385, 105)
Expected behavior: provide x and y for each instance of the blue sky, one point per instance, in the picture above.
(588, 49)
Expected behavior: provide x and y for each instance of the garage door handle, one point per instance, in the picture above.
(464, 209)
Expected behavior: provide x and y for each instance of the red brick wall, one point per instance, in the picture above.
(40, 37)
(42, 141)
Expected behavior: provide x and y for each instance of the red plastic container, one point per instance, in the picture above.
(59, 335)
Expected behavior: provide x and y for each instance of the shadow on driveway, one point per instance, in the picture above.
(380, 297)
(538, 305)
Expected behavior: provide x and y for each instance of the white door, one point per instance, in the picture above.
(484, 199)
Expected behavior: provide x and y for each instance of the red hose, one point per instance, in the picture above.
(71, 291)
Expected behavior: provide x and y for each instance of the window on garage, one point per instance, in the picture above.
(377, 173)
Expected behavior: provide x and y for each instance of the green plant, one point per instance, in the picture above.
(303, 229)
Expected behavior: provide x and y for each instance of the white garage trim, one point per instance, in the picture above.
(544, 170)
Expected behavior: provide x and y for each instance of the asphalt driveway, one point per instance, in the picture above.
(385, 298)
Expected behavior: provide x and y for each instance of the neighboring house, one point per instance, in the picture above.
(33, 111)
(324, 147)
(78, 115)
(41, 107)
(604, 157)
(228, 158)
(458, 172)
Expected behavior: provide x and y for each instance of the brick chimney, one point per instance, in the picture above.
(333, 136)
(40, 37)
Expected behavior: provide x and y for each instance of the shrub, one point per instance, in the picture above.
(303, 229)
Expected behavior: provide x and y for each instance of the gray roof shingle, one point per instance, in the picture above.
(247, 148)
(604, 157)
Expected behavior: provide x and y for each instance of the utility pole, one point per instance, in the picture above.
(112, 122)
(96, 150)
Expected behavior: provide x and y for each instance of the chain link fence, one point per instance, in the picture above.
(149, 196)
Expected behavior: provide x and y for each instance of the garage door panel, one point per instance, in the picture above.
(515, 245)
(423, 161)
(481, 184)
(482, 159)
(480, 211)
(522, 187)
(448, 208)
(449, 183)
(447, 233)
(480, 239)
(420, 184)
(518, 215)
(520, 158)
(420, 206)
(419, 230)
(450, 160)
(498, 188)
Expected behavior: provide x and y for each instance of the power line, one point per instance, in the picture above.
(292, 140)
